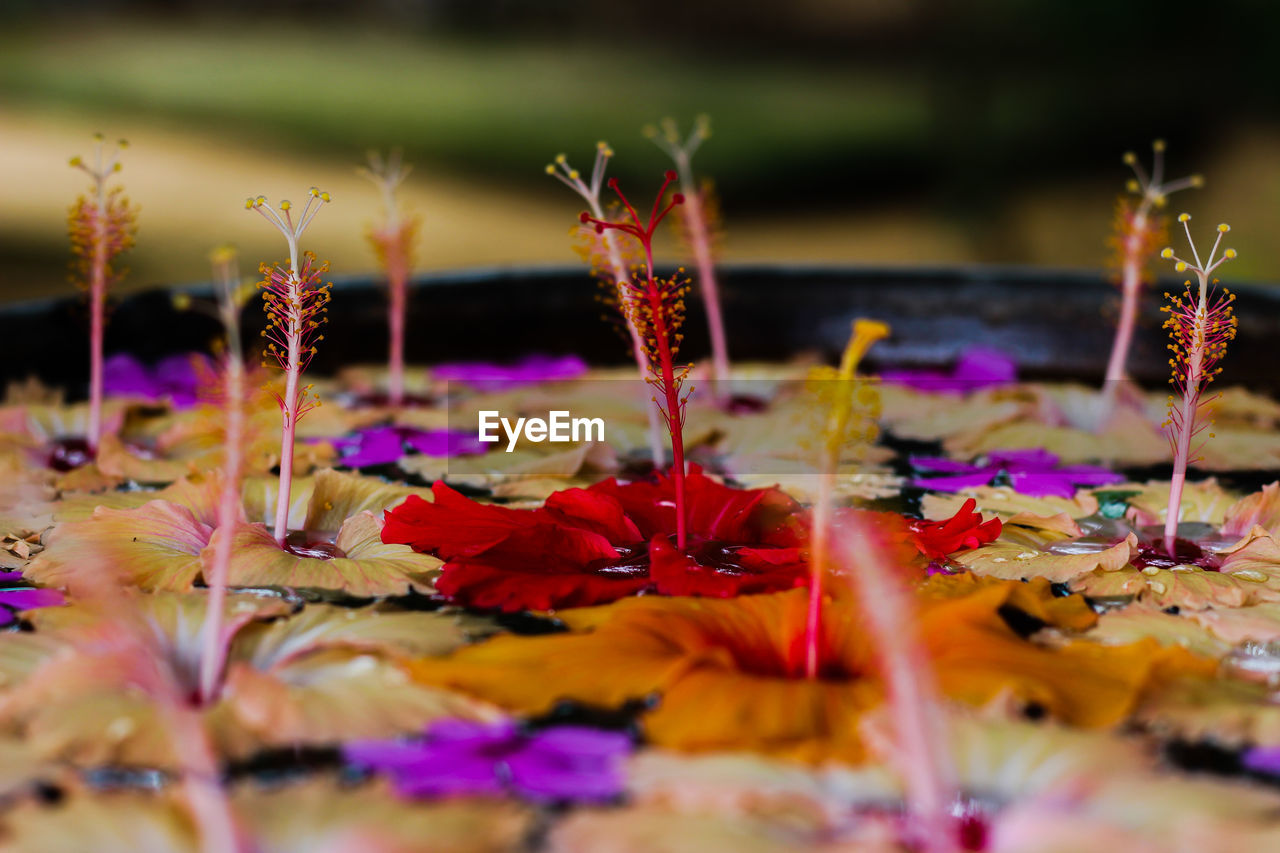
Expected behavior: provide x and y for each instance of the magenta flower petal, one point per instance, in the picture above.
(565, 763)
(955, 482)
(17, 599)
(976, 368)
(174, 378)
(384, 445)
(488, 377)
(1031, 471)
(1262, 759)
(445, 442)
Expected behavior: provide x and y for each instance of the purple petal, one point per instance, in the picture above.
(945, 465)
(570, 763)
(1043, 484)
(487, 377)
(29, 598)
(1031, 457)
(976, 368)
(955, 482)
(125, 376)
(1091, 475)
(10, 577)
(376, 446)
(444, 442)
(983, 367)
(1262, 759)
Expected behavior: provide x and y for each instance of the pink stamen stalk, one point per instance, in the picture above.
(923, 758)
(296, 302)
(698, 234)
(1139, 230)
(835, 441)
(124, 637)
(1201, 323)
(213, 643)
(590, 193)
(101, 227)
(657, 310)
(393, 243)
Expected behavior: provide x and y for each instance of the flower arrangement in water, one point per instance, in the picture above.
(578, 653)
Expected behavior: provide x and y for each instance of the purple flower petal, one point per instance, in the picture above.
(955, 482)
(10, 577)
(976, 368)
(944, 465)
(174, 378)
(1029, 457)
(445, 442)
(373, 446)
(457, 756)
(1042, 484)
(489, 377)
(1262, 759)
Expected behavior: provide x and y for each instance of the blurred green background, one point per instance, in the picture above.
(872, 131)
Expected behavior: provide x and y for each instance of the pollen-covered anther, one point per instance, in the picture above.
(1184, 217)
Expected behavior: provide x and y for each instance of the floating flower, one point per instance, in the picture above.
(1032, 471)
(977, 367)
(385, 445)
(312, 676)
(487, 377)
(611, 540)
(729, 674)
(14, 598)
(174, 379)
(557, 764)
(964, 530)
(593, 545)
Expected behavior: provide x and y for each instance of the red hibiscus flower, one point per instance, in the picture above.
(960, 532)
(595, 545)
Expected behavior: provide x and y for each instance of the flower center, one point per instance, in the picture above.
(302, 543)
(1185, 553)
(69, 453)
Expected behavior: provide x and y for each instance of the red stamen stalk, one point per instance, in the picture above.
(101, 227)
(590, 193)
(656, 308)
(213, 642)
(699, 236)
(1201, 322)
(393, 244)
(296, 302)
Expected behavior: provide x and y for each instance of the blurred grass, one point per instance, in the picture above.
(483, 105)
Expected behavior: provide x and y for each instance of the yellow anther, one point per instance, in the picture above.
(76, 161)
(285, 205)
(98, 137)
(1229, 254)
(1167, 254)
(573, 174)
(1184, 217)
(1180, 266)
(1129, 158)
(1157, 146)
(1196, 181)
(324, 197)
(1132, 185)
(561, 159)
(248, 204)
(551, 169)
(1223, 228)
(315, 192)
